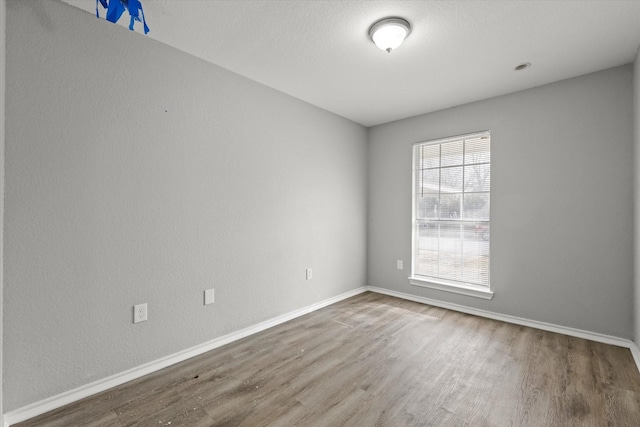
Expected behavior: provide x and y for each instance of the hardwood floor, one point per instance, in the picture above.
(374, 360)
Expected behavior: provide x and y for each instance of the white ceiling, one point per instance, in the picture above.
(457, 52)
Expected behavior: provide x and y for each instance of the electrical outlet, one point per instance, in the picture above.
(399, 264)
(208, 296)
(309, 274)
(139, 313)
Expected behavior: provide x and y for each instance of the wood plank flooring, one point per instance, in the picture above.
(374, 360)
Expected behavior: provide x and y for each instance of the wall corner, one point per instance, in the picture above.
(636, 196)
(3, 39)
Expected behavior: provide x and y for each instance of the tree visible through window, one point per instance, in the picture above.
(451, 224)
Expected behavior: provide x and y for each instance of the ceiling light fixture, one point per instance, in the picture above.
(389, 33)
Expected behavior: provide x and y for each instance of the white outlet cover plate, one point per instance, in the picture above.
(139, 313)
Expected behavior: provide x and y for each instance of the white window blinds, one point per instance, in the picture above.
(451, 201)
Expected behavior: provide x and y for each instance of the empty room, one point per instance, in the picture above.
(320, 213)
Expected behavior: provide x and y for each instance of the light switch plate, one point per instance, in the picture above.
(208, 296)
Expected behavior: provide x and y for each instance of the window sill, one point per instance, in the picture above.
(456, 288)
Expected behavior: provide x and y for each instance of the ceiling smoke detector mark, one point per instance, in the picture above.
(522, 66)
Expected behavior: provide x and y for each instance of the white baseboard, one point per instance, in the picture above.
(635, 352)
(578, 333)
(46, 405)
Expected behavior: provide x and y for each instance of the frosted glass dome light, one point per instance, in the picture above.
(389, 33)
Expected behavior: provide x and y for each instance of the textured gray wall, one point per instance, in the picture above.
(561, 202)
(136, 173)
(3, 22)
(636, 171)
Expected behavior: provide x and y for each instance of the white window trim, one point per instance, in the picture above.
(456, 288)
(477, 291)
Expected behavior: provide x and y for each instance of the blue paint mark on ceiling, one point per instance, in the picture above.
(115, 9)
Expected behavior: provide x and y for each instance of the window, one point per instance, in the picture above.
(451, 226)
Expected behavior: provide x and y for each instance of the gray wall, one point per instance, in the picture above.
(3, 9)
(136, 173)
(636, 171)
(561, 202)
